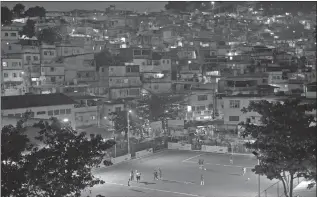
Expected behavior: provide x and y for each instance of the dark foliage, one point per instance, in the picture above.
(28, 29)
(62, 167)
(285, 139)
(6, 16)
(49, 36)
(18, 10)
(36, 11)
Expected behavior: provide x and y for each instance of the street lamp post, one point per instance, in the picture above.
(259, 181)
(128, 123)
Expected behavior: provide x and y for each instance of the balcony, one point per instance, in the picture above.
(125, 85)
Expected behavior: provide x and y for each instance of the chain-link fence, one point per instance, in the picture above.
(277, 189)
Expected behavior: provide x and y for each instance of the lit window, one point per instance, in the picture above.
(4, 64)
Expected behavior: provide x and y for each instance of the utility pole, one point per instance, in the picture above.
(128, 134)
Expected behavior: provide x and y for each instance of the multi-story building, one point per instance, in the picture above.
(9, 34)
(200, 105)
(53, 73)
(310, 90)
(245, 84)
(41, 106)
(232, 106)
(48, 53)
(124, 81)
(12, 75)
(32, 64)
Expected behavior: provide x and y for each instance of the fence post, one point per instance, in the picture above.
(265, 194)
(278, 189)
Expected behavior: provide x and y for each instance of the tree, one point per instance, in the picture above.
(285, 140)
(6, 16)
(49, 36)
(13, 143)
(18, 10)
(28, 29)
(61, 168)
(36, 11)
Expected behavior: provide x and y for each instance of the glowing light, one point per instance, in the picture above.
(130, 111)
(22, 73)
(65, 120)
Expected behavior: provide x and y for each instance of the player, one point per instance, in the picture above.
(202, 181)
(231, 160)
(160, 173)
(244, 170)
(138, 176)
(132, 175)
(155, 175)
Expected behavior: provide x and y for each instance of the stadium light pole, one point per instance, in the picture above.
(128, 123)
(259, 181)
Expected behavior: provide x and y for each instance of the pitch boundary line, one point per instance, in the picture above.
(159, 190)
(185, 160)
(219, 164)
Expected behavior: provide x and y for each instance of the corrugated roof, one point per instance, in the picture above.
(34, 100)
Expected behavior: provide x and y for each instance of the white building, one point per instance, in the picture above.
(232, 106)
(42, 106)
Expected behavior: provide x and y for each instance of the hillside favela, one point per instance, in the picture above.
(190, 99)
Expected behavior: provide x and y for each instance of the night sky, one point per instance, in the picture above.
(70, 5)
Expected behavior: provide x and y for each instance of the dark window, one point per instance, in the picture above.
(117, 109)
(6, 34)
(62, 111)
(52, 69)
(50, 113)
(56, 112)
(41, 112)
(68, 111)
(202, 97)
(233, 118)
(35, 58)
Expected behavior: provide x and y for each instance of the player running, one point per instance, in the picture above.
(244, 170)
(201, 164)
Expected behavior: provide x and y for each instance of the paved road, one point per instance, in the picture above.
(181, 176)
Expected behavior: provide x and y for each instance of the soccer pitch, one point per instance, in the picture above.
(181, 176)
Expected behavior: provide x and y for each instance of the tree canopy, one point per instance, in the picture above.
(18, 10)
(36, 11)
(285, 140)
(62, 167)
(28, 29)
(49, 36)
(6, 16)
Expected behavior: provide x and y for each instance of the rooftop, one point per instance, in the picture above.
(34, 100)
